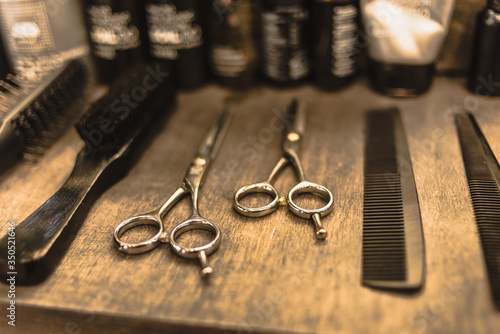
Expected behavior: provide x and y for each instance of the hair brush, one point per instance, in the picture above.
(108, 129)
(34, 114)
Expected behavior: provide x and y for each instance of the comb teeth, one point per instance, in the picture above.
(383, 229)
(486, 202)
(384, 256)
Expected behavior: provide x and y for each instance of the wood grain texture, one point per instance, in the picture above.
(271, 274)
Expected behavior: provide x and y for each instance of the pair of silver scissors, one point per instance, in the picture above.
(294, 131)
(191, 185)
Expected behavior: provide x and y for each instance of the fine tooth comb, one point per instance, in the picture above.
(483, 175)
(34, 114)
(393, 242)
(108, 129)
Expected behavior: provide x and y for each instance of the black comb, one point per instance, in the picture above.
(393, 244)
(483, 174)
(108, 129)
(34, 114)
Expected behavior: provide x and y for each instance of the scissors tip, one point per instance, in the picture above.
(295, 116)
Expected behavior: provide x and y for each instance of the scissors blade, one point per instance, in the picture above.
(296, 119)
(213, 138)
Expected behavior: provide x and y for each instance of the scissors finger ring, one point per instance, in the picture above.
(314, 214)
(200, 252)
(151, 219)
(263, 187)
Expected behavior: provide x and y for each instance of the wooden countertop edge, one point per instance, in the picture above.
(75, 321)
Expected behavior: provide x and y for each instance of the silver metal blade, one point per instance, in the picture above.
(213, 139)
(296, 119)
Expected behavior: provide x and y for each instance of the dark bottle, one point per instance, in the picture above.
(4, 64)
(484, 75)
(39, 35)
(233, 45)
(117, 34)
(285, 51)
(176, 35)
(334, 51)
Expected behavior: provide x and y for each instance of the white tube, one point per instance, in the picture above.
(406, 31)
(404, 38)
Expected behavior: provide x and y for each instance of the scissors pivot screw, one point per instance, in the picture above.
(292, 136)
(163, 237)
(200, 161)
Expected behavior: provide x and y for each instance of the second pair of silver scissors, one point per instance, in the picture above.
(292, 139)
(191, 185)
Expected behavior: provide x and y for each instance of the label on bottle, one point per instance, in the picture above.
(228, 61)
(27, 32)
(110, 31)
(344, 40)
(170, 30)
(284, 44)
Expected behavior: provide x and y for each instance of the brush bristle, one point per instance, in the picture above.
(120, 115)
(48, 115)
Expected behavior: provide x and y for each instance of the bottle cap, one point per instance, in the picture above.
(401, 80)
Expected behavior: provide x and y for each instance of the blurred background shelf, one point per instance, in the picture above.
(271, 274)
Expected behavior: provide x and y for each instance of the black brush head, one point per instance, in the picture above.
(47, 116)
(131, 102)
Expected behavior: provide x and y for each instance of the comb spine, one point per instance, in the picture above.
(414, 235)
